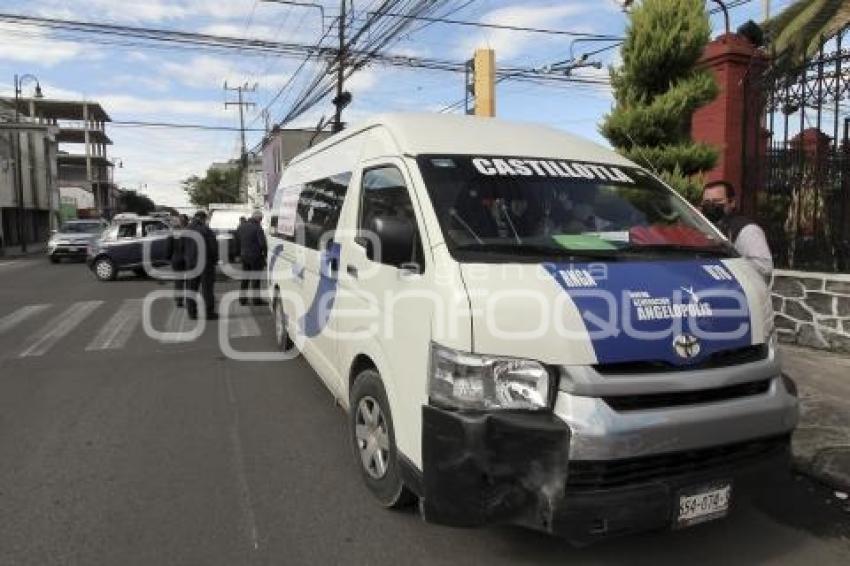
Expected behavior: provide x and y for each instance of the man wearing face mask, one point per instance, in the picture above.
(718, 205)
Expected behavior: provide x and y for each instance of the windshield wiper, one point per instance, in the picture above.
(526, 249)
(719, 250)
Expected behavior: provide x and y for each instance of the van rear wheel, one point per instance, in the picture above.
(373, 439)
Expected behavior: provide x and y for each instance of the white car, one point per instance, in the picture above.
(72, 239)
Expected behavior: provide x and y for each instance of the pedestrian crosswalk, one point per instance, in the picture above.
(45, 326)
(59, 326)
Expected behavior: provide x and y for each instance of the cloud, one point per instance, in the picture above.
(508, 44)
(125, 106)
(32, 45)
(205, 71)
(178, 154)
(123, 11)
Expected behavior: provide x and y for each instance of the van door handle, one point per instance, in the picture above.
(352, 271)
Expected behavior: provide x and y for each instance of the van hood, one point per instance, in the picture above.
(671, 312)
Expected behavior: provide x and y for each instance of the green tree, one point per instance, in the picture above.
(657, 89)
(133, 201)
(796, 32)
(217, 186)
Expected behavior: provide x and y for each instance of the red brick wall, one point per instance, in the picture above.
(735, 62)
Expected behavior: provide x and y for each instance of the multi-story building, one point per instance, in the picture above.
(82, 159)
(29, 208)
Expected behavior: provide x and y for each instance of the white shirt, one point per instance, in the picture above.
(752, 244)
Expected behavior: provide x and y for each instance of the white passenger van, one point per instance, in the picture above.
(526, 328)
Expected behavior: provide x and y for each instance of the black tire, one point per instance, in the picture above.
(386, 485)
(104, 269)
(140, 272)
(54, 259)
(282, 339)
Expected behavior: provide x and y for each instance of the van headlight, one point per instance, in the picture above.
(469, 381)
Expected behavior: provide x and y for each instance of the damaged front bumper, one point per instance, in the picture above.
(482, 468)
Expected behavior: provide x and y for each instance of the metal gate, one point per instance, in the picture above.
(802, 172)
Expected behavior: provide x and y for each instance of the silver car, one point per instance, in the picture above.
(73, 237)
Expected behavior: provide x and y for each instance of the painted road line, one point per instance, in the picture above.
(57, 328)
(11, 320)
(115, 333)
(241, 323)
(179, 326)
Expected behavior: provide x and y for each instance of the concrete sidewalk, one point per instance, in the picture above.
(821, 444)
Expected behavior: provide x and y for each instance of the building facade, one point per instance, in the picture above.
(279, 147)
(29, 208)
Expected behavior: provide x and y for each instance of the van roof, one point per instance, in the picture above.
(432, 133)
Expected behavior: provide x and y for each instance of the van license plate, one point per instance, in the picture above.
(703, 504)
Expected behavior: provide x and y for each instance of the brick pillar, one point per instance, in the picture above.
(733, 119)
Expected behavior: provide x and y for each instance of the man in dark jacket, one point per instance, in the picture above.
(178, 258)
(718, 205)
(252, 249)
(201, 254)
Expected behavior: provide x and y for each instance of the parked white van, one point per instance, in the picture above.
(526, 328)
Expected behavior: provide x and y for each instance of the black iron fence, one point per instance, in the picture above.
(802, 172)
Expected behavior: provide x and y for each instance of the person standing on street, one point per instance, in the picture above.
(202, 255)
(718, 205)
(252, 249)
(178, 258)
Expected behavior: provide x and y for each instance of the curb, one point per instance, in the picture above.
(830, 466)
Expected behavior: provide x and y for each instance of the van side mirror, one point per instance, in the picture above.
(396, 239)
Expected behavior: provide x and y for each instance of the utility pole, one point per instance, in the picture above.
(342, 98)
(241, 103)
(484, 82)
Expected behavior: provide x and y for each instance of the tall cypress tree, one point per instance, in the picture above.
(657, 89)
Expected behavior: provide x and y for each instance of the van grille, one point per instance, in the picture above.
(589, 474)
(725, 358)
(679, 398)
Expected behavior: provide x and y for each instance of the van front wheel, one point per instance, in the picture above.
(373, 437)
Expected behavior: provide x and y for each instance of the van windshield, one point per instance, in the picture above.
(517, 208)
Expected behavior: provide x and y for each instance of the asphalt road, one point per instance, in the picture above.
(119, 449)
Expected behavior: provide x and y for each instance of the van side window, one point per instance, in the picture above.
(384, 194)
(319, 207)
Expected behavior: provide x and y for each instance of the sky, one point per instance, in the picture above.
(166, 84)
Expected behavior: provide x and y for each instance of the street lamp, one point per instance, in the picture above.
(19, 84)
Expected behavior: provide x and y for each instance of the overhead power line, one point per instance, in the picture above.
(178, 125)
(505, 27)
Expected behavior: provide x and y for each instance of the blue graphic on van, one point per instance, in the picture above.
(275, 254)
(317, 316)
(678, 312)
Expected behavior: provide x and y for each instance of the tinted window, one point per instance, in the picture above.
(385, 194)
(318, 209)
(152, 227)
(127, 230)
(513, 208)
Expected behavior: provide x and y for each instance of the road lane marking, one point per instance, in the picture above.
(119, 328)
(241, 323)
(239, 468)
(11, 320)
(179, 326)
(57, 328)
